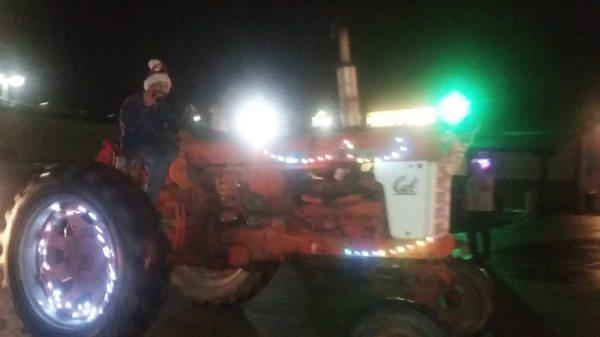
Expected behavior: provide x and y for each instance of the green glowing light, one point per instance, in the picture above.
(454, 108)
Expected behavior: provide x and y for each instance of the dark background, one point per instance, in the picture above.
(526, 65)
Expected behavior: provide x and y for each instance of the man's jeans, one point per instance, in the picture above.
(157, 163)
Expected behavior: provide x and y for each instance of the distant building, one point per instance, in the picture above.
(547, 172)
(534, 171)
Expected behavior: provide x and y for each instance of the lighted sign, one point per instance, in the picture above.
(406, 117)
(322, 120)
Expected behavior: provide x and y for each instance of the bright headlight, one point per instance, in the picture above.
(257, 122)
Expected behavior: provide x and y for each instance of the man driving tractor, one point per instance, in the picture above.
(149, 129)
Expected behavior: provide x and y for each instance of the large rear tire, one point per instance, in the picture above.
(84, 254)
(229, 286)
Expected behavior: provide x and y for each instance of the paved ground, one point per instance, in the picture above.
(553, 269)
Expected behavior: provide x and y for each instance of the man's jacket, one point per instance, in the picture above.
(154, 128)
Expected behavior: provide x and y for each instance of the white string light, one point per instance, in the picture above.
(389, 252)
(346, 145)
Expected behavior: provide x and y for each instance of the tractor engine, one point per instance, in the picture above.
(333, 201)
(339, 201)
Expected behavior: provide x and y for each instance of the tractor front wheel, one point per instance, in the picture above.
(468, 303)
(230, 286)
(401, 319)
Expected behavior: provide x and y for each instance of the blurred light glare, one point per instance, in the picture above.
(197, 118)
(322, 120)
(257, 122)
(405, 117)
(454, 108)
(16, 81)
(484, 163)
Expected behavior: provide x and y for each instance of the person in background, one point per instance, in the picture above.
(149, 130)
(480, 209)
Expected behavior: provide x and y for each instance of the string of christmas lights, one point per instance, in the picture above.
(391, 252)
(348, 146)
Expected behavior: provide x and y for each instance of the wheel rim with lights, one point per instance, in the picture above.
(84, 255)
(68, 260)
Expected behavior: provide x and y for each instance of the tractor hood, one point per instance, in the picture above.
(317, 149)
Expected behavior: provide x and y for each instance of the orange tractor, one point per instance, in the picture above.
(86, 254)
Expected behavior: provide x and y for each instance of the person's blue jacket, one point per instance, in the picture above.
(154, 128)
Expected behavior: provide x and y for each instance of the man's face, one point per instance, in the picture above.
(159, 90)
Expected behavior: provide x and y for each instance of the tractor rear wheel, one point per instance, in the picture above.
(218, 287)
(84, 254)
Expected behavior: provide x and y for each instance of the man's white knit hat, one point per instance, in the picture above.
(158, 73)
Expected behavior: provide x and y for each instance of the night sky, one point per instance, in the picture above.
(526, 65)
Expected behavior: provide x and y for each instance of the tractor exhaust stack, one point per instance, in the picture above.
(347, 84)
